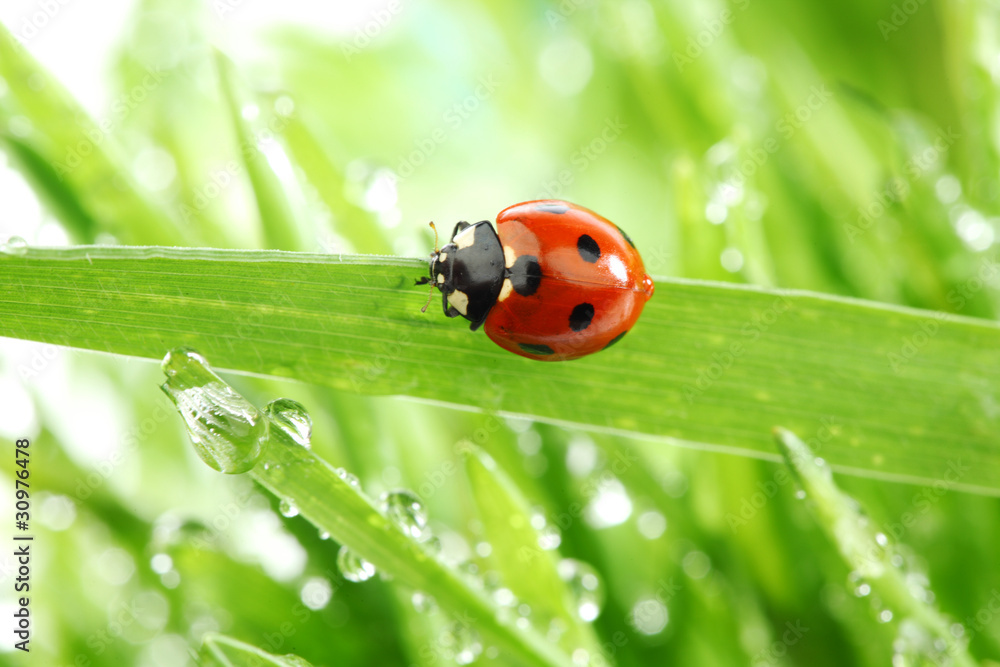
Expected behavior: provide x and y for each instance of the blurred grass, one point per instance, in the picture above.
(855, 201)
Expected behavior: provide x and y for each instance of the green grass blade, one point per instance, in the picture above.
(869, 554)
(273, 446)
(527, 570)
(709, 365)
(79, 150)
(222, 651)
(58, 197)
(272, 193)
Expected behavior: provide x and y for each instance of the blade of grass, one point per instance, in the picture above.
(59, 198)
(222, 651)
(273, 446)
(904, 392)
(867, 553)
(272, 192)
(527, 570)
(78, 150)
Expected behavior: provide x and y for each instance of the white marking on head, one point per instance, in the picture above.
(507, 288)
(440, 277)
(460, 301)
(509, 256)
(443, 257)
(465, 237)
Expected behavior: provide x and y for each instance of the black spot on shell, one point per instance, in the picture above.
(525, 275)
(615, 339)
(626, 236)
(581, 317)
(552, 207)
(536, 349)
(588, 249)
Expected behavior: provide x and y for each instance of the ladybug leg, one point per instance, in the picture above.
(458, 228)
(449, 309)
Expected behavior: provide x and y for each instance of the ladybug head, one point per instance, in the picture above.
(469, 272)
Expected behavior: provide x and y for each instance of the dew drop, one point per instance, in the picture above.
(353, 567)
(228, 432)
(585, 585)
(323, 535)
(884, 616)
(291, 418)
(504, 597)
(423, 603)
(350, 478)
(557, 627)
(15, 246)
(406, 510)
(800, 494)
(649, 616)
(431, 543)
(549, 538)
(463, 641)
(288, 509)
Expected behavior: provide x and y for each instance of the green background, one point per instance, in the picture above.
(845, 149)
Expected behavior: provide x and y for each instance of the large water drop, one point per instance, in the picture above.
(227, 431)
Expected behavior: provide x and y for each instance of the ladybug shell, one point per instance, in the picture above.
(576, 283)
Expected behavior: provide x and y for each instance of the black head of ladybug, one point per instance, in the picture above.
(469, 271)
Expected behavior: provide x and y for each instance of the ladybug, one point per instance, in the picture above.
(554, 281)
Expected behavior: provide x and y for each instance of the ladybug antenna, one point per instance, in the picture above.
(430, 295)
(425, 280)
(431, 223)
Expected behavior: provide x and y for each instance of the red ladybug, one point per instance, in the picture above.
(559, 282)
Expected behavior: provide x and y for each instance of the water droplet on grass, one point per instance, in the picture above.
(549, 538)
(423, 603)
(354, 567)
(15, 246)
(585, 585)
(288, 509)
(464, 641)
(227, 431)
(348, 477)
(405, 509)
(292, 418)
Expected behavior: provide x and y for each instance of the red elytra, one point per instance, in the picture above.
(559, 282)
